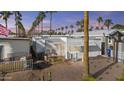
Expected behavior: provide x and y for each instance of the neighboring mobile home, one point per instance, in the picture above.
(14, 48)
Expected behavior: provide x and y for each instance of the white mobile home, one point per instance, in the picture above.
(14, 47)
(71, 46)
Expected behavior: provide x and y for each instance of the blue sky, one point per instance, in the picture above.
(67, 18)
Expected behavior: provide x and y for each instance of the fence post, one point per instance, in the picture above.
(49, 76)
(43, 77)
(32, 64)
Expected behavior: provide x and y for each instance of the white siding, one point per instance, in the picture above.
(14, 47)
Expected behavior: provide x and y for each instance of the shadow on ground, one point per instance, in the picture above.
(41, 65)
(98, 73)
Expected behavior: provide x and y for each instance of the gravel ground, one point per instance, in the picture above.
(100, 67)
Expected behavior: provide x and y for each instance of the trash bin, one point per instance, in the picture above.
(109, 52)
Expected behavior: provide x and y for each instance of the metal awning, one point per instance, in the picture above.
(117, 35)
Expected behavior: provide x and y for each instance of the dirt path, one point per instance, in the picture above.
(100, 67)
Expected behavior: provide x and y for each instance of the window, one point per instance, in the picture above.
(109, 39)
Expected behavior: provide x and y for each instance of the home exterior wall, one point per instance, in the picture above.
(69, 46)
(75, 47)
(13, 47)
(121, 52)
(49, 45)
(73, 44)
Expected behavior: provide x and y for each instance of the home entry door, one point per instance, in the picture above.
(103, 48)
(1, 48)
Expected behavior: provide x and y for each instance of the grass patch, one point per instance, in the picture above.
(90, 78)
(121, 78)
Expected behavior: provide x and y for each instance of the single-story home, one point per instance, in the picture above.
(14, 47)
(71, 46)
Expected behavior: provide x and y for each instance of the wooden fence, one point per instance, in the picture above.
(12, 66)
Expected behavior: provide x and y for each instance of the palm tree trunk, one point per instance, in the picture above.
(41, 26)
(16, 23)
(86, 46)
(6, 23)
(38, 29)
(50, 21)
(108, 28)
(16, 30)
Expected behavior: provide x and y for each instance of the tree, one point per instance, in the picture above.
(17, 20)
(62, 28)
(51, 17)
(58, 29)
(99, 20)
(37, 21)
(91, 28)
(108, 23)
(5, 15)
(71, 26)
(66, 27)
(41, 17)
(80, 25)
(21, 29)
(86, 46)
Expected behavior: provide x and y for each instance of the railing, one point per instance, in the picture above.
(13, 66)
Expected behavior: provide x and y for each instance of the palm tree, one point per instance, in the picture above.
(37, 21)
(62, 28)
(108, 23)
(17, 20)
(86, 46)
(51, 15)
(66, 27)
(99, 20)
(21, 30)
(80, 25)
(91, 28)
(34, 24)
(71, 26)
(41, 17)
(56, 29)
(5, 15)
